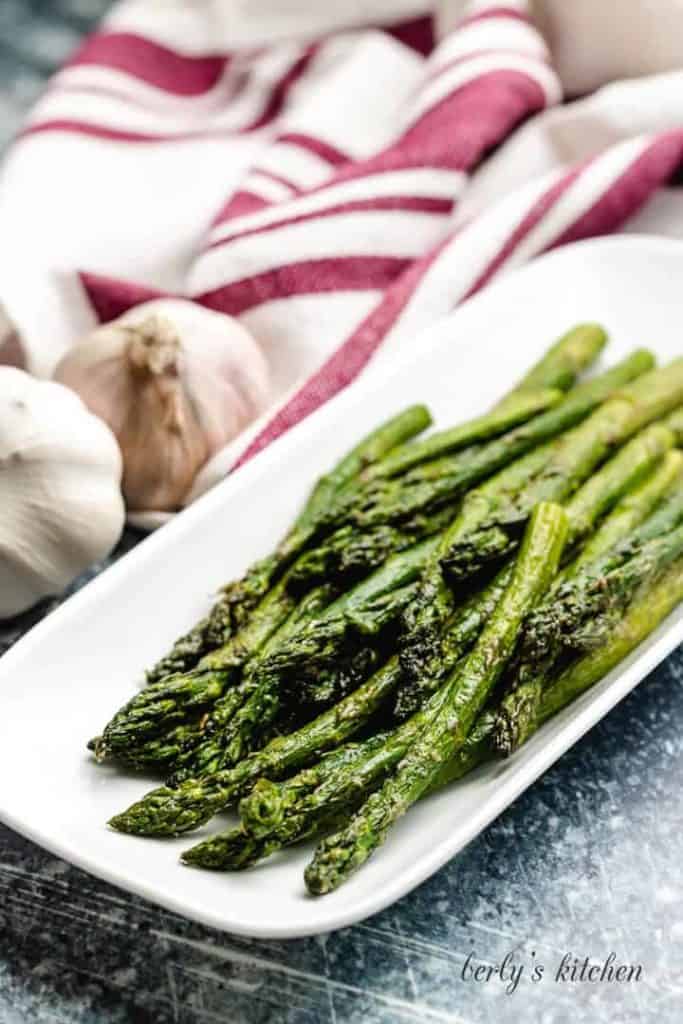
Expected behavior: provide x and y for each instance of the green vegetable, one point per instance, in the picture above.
(482, 533)
(516, 409)
(244, 594)
(493, 514)
(579, 617)
(631, 510)
(223, 738)
(631, 465)
(238, 599)
(347, 555)
(177, 700)
(421, 644)
(343, 852)
(320, 651)
(433, 484)
(649, 608)
(169, 811)
(559, 367)
(423, 663)
(538, 390)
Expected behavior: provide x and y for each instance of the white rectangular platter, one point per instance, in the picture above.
(64, 679)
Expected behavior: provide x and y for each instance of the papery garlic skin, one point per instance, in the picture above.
(61, 507)
(11, 350)
(175, 382)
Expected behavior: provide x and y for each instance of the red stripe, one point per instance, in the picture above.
(156, 102)
(652, 169)
(152, 63)
(342, 368)
(485, 110)
(418, 204)
(110, 298)
(461, 128)
(418, 33)
(97, 131)
(241, 204)
(100, 132)
(495, 12)
(531, 218)
(308, 277)
(324, 150)
(502, 51)
(278, 178)
(278, 94)
(273, 107)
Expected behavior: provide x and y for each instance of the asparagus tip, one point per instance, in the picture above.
(193, 858)
(162, 812)
(100, 748)
(261, 810)
(515, 719)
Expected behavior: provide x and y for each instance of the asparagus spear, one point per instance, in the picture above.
(238, 848)
(515, 488)
(211, 631)
(649, 608)
(275, 814)
(238, 599)
(245, 593)
(538, 390)
(348, 554)
(481, 533)
(461, 633)
(169, 811)
(162, 706)
(342, 853)
(630, 511)
(171, 702)
(243, 846)
(215, 732)
(499, 496)
(436, 484)
(603, 586)
(160, 752)
(581, 618)
(632, 465)
(423, 663)
(515, 409)
(427, 487)
(268, 803)
(557, 369)
(323, 660)
(279, 819)
(266, 806)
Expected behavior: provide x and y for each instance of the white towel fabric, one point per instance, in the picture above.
(330, 184)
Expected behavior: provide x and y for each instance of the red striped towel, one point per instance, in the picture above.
(337, 194)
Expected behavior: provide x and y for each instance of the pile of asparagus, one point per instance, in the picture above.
(435, 602)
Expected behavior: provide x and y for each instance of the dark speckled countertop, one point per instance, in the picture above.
(586, 863)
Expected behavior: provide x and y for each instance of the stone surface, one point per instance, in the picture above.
(586, 862)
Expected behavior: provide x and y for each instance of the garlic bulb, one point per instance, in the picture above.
(175, 382)
(60, 501)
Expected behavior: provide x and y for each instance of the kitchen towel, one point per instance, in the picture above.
(335, 185)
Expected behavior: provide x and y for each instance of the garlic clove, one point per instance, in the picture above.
(60, 471)
(175, 382)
